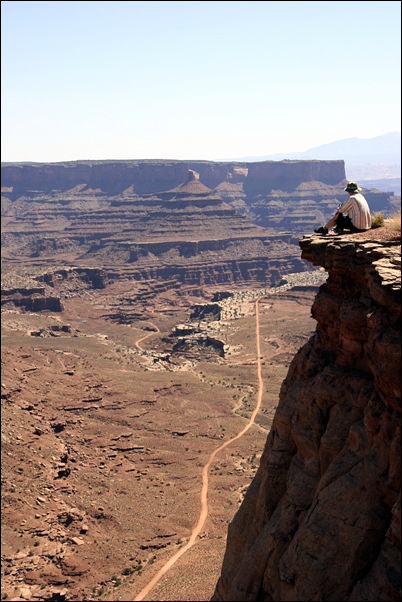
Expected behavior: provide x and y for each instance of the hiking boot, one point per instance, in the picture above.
(321, 230)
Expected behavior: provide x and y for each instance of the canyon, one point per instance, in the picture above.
(129, 296)
(107, 419)
(195, 222)
(173, 224)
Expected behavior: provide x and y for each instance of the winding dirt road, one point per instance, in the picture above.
(204, 490)
(137, 343)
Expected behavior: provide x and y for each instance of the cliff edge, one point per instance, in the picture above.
(321, 519)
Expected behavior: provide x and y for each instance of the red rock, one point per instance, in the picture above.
(321, 519)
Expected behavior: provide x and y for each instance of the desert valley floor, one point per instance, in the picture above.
(108, 426)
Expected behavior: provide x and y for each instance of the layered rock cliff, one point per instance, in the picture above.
(147, 177)
(291, 195)
(186, 233)
(321, 519)
(196, 223)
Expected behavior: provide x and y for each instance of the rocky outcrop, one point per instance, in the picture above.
(40, 290)
(32, 302)
(321, 519)
(196, 345)
(96, 278)
(206, 311)
(26, 292)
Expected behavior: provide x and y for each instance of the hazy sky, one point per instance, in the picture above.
(194, 80)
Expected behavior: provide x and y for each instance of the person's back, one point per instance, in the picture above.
(358, 210)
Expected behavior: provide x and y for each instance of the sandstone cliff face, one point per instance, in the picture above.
(147, 177)
(321, 519)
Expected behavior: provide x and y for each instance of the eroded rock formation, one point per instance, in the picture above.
(76, 198)
(194, 223)
(187, 233)
(42, 290)
(321, 519)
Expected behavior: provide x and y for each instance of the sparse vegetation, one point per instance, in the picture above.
(128, 571)
(377, 220)
(394, 221)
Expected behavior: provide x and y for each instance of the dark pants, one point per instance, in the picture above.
(343, 222)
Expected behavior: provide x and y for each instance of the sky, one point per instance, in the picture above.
(194, 80)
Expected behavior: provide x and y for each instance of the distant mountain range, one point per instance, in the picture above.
(373, 162)
(385, 150)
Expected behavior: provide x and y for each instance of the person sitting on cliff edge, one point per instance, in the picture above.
(358, 218)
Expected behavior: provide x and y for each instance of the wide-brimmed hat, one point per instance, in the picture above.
(352, 187)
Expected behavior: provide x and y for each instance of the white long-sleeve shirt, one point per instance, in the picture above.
(358, 210)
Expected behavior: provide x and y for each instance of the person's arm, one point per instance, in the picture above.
(347, 205)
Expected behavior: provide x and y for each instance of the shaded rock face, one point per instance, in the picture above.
(43, 291)
(206, 311)
(33, 302)
(321, 519)
(95, 277)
